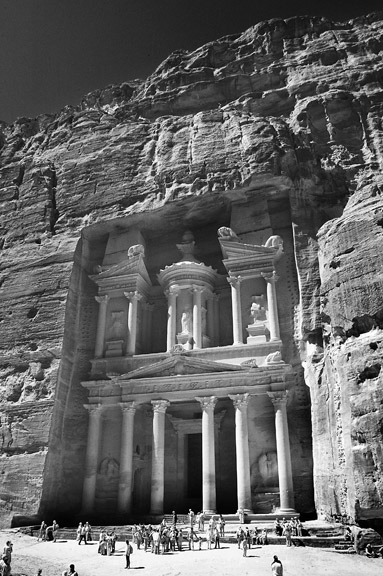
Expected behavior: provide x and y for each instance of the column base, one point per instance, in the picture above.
(286, 511)
(210, 511)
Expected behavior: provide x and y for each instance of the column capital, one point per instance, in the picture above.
(135, 295)
(128, 407)
(197, 289)
(270, 277)
(240, 400)
(207, 402)
(102, 299)
(234, 281)
(279, 399)
(160, 406)
(94, 409)
(173, 290)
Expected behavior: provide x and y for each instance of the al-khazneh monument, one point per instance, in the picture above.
(191, 286)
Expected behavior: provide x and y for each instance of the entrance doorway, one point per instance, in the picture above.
(194, 470)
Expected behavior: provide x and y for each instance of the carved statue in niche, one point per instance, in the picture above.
(117, 326)
(186, 322)
(257, 309)
(109, 467)
(227, 233)
(268, 468)
(257, 329)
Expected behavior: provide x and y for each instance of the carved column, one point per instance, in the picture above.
(126, 459)
(101, 324)
(216, 319)
(240, 402)
(211, 319)
(146, 340)
(133, 298)
(91, 460)
(208, 454)
(172, 294)
(235, 282)
(285, 476)
(197, 316)
(158, 456)
(271, 279)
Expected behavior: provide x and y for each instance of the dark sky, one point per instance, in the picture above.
(52, 52)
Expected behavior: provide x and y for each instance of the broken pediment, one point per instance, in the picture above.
(128, 274)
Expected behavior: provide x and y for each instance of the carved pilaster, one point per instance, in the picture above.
(271, 279)
(101, 323)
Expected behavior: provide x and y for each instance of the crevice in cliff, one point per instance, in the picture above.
(369, 373)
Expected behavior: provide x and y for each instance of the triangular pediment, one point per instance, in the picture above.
(179, 365)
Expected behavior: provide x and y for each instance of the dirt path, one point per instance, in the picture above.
(53, 558)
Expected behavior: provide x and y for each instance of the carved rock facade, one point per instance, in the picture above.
(273, 132)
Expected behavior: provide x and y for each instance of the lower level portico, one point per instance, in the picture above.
(186, 433)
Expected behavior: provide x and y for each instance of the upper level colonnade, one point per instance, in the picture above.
(188, 303)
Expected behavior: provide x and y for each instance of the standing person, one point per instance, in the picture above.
(7, 552)
(55, 531)
(174, 518)
(71, 571)
(276, 567)
(239, 536)
(88, 532)
(201, 522)
(128, 553)
(39, 572)
(191, 517)
(221, 523)
(216, 538)
(41, 535)
(244, 546)
(287, 534)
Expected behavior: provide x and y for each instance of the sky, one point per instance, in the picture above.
(52, 52)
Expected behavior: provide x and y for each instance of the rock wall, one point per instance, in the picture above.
(286, 114)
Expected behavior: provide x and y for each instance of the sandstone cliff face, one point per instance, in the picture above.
(286, 114)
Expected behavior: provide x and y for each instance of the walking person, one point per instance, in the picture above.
(128, 553)
(276, 567)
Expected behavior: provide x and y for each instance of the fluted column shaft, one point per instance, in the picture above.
(125, 485)
(158, 456)
(91, 459)
(240, 402)
(101, 324)
(271, 279)
(172, 294)
(286, 490)
(208, 454)
(235, 282)
(133, 298)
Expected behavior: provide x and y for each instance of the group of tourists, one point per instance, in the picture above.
(107, 542)
(48, 533)
(247, 538)
(288, 528)
(84, 533)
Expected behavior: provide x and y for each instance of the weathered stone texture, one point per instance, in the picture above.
(287, 114)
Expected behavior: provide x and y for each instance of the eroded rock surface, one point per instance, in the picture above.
(287, 115)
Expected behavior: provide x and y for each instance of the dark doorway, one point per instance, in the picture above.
(194, 467)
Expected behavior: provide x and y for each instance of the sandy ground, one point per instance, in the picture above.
(53, 558)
